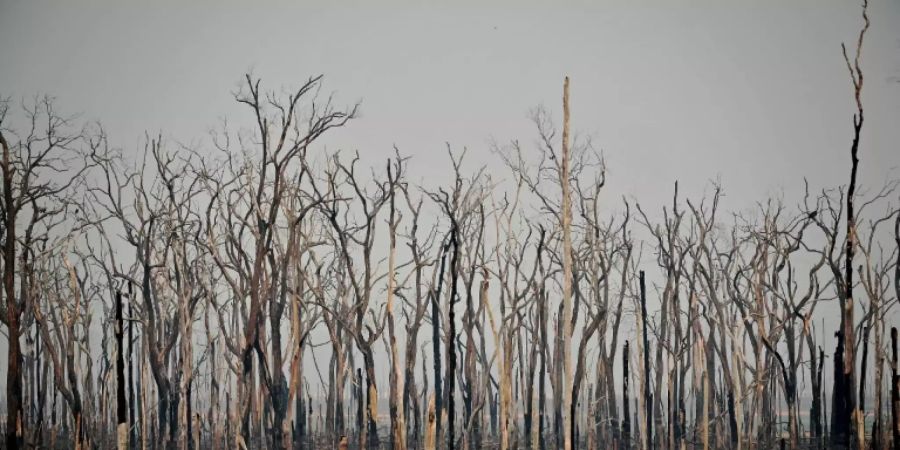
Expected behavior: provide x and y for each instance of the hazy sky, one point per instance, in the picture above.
(754, 93)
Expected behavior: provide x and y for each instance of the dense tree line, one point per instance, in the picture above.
(180, 298)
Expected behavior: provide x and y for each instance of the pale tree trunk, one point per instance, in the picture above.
(430, 421)
(589, 422)
(504, 341)
(294, 389)
(398, 421)
(197, 425)
(567, 274)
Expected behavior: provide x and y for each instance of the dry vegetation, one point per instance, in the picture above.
(180, 300)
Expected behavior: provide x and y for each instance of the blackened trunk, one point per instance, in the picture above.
(451, 341)
(14, 425)
(436, 349)
(840, 408)
(648, 397)
(371, 399)
(131, 406)
(626, 408)
(862, 372)
(732, 419)
(121, 405)
(816, 408)
(895, 393)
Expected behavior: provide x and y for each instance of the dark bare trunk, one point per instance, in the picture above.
(121, 404)
(451, 341)
(14, 425)
(626, 407)
(895, 393)
(648, 397)
(436, 348)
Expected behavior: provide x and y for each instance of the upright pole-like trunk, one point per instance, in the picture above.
(436, 348)
(626, 407)
(372, 438)
(398, 420)
(131, 395)
(14, 426)
(861, 431)
(648, 397)
(878, 420)
(360, 410)
(815, 411)
(567, 273)
(850, 413)
(145, 416)
(431, 425)
(704, 421)
(121, 407)
(451, 339)
(542, 373)
(895, 393)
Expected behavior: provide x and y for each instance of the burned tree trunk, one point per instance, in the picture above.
(895, 393)
(648, 396)
(847, 421)
(815, 412)
(626, 407)
(862, 387)
(14, 411)
(451, 337)
(372, 439)
(132, 438)
(121, 407)
(436, 347)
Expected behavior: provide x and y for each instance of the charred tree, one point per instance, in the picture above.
(121, 404)
(648, 396)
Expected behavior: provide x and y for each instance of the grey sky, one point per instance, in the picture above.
(755, 93)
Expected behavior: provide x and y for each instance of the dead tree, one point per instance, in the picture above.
(672, 248)
(284, 132)
(121, 403)
(874, 275)
(450, 335)
(134, 201)
(847, 419)
(438, 393)
(567, 281)
(40, 166)
(419, 308)
(895, 368)
(61, 344)
(397, 390)
(895, 392)
(648, 396)
(626, 411)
